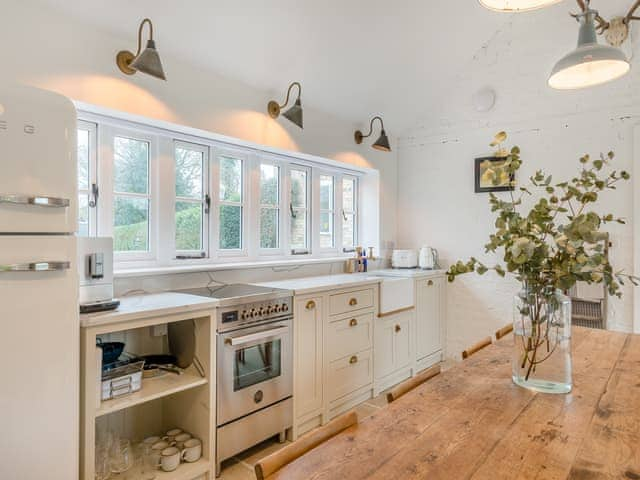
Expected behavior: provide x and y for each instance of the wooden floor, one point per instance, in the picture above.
(473, 423)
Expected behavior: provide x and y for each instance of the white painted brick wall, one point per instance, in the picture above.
(437, 204)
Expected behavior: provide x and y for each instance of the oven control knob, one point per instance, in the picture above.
(285, 307)
(269, 309)
(244, 315)
(258, 396)
(261, 312)
(276, 309)
(253, 313)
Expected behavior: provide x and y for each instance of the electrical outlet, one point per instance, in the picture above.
(159, 330)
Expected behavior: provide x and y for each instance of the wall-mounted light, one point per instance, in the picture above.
(294, 114)
(516, 5)
(145, 61)
(590, 63)
(382, 143)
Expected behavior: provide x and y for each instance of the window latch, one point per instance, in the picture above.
(344, 215)
(95, 193)
(207, 203)
(293, 212)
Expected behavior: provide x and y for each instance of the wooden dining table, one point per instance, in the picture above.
(472, 422)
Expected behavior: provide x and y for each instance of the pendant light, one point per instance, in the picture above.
(590, 63)
(382, 143)
(145, 61)
(294, 114)
(516, 5)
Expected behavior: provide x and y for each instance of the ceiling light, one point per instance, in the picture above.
(382, 143)
(516, 5)
(145, 61)
(590, 63)
(294, 114)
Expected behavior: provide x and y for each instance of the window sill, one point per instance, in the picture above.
(211, 267)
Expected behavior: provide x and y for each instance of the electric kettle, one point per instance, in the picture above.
(428, 258)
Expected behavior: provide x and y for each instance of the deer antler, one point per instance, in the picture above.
(630, 16)
(602, 23)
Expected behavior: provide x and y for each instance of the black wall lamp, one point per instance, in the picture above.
(145, 61)
(294, 114)
(381, 144)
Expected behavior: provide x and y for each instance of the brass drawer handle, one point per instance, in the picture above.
(353, 359)
(398, 328)
(353, 322)
(353, 302)
(430, 282)
(310, 305)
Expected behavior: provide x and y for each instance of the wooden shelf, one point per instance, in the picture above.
(152, 389)
(186, 471)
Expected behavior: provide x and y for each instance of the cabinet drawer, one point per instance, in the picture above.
(351, 301)
(348, 374)
(349, 336)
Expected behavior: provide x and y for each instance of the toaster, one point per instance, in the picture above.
(404, 259)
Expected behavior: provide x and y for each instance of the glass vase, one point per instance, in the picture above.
(542, 341)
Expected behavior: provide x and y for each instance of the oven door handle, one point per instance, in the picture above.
(252, 337)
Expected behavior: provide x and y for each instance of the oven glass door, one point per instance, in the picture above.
(255, 369)
(257, 364)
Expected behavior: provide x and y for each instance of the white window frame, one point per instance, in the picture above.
(353, 211)
(107, 136)
(92, 128)
(307, 250)
(205, 201)
(318, 211)
(163, 138)
(244, 157)
(279, 206)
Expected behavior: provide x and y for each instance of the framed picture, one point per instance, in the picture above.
(491, 177)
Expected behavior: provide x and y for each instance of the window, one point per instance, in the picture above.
(192, 200)
(269, 206)
(87, 181)
(130, 195)
(170, 197)
(349, 220)
(326, 211)
(299, 209)
(231, 203)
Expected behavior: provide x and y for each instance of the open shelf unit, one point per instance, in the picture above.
(168, 401)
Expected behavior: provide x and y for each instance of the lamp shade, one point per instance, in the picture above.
(516, 5)
(149, 62)
(590, 63)
(382, 143)
(294, 114)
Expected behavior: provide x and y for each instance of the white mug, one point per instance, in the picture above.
(156, 450)
(192, 450)
(151, 440)
(180, 439)
(169, 459)
(172, 434)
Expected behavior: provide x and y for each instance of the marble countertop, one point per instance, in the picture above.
(305, 285)
(408, 272)
(143, 306)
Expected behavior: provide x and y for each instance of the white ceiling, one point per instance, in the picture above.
(354, 58)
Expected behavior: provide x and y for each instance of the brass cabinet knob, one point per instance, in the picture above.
(430, 282)
(353, 359)
(398, 328)
(353, 322)
(353, 302)
(310, 305)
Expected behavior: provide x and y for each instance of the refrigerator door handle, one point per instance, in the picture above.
(36, 200)
(36, 267)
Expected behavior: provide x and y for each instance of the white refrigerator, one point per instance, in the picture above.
(39, 322)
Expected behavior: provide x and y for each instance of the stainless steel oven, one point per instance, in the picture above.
(254, 368)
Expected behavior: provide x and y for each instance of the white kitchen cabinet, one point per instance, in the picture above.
(393, 349)
(429, 321)
(308, 362)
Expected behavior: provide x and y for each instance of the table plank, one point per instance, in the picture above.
(473, 422)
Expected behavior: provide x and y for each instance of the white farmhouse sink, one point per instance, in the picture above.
(395, 293)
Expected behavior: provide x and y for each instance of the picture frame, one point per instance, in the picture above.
(484, 182)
